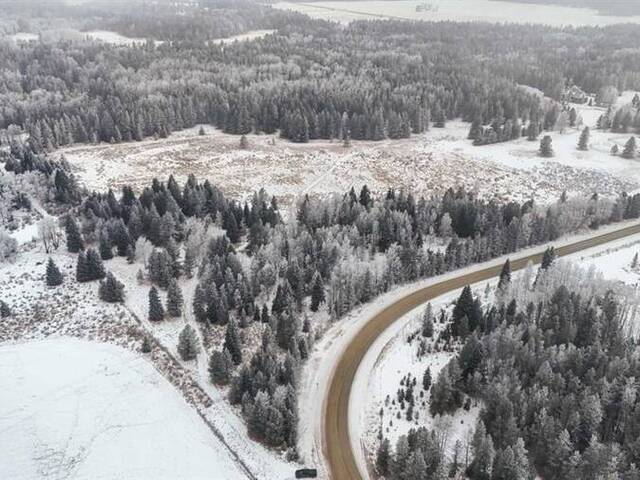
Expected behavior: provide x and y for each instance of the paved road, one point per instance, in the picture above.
(336, 443)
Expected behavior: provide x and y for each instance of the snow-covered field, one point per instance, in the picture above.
(428, 163)
(71, 409)
(251, 35)
(456, 10)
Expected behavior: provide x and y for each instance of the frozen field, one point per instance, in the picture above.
(456, 10)
(71, 409)
(428, 163)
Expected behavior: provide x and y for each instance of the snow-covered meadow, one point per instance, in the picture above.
(455, 10)
(426, 164)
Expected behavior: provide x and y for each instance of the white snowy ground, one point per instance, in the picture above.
(71, 409)
(378, 376)
(425, 164)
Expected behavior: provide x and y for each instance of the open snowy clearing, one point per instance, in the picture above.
(426, 164)
(80, 410)
(456, 10)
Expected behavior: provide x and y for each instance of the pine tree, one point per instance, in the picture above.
(175, 301)
(201, 132)
(505, 276)
(546, 148)
(533, 131)
(82, 270)
(95, 267)
(629, 151)
(244, 143)
(426, 379)
(317, 292)
(220, 367)
(548, 258)
(106, 251)
(615, 150)
(583, 143)
(156, 310)
(188, 344)
(111, 290)
(54, 276)
(427, 321)
(74, 239)
(232, 342)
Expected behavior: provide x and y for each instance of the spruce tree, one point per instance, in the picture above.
(74, 238)
(426, 379)
(54, 276)
(174, 299)
(317, 292)
(629, 151)
(156, 310)
(146, 345)
(532, 131)
(505, 276)
(427, 321)
(82, 270)
(546, 148)
(548, 257)
(106, 250)
(111, 290)
(201, 132)
(583, 143)
(188, 344)
(95, 267)
(232, 342)
(220, 367)
(615, 150)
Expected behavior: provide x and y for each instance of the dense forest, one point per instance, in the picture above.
(311, 79)
(554, 368)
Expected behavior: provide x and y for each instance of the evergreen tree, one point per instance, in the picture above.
(505, 276)
(244, 143)
(548, 258)
(629, 151)
(106, 251)
(82, 270)
(5, 310)
(220, 367)
(615, 150)
(546, 148)
(427, 321)
(111, 290)
(94, 265)
(54, 276)
(533, 131)
(156, 310)
(232, 342)
(175, 301)
(201, 132)
(634, 262)
(383, 457)
(146, 346)
(583, 143)
(188, 344)
(426, 379)
(74, 238)
(317, 292)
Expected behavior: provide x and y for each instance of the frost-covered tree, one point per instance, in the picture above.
(188, 343)
(629, 151)
(174, 299)
(232, 342)
(583, 142)
(546, 148)
(220, 367)
(74, 238)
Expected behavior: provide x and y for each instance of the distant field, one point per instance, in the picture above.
(458, 10)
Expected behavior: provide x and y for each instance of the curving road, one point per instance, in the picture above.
(336, 444)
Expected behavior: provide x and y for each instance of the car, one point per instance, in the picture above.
(307, 473)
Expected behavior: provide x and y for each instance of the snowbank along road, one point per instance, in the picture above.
(337, 446)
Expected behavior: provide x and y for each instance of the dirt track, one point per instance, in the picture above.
(336, 442)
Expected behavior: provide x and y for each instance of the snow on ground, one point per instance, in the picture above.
(456, 10)
(24, 37)
(115, 38)
(71, 409)
(327, 351)
(615, 261)
(427, 163)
